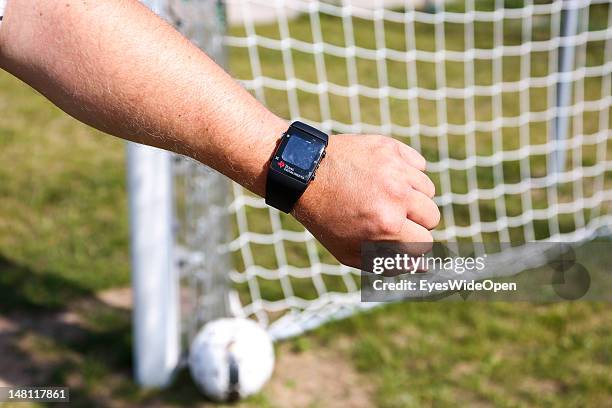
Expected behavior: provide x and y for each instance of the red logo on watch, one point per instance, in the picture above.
(281, 164)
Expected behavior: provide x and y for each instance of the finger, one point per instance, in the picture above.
(422, 210)
(419, 181)
(416, 238)
(414, 158)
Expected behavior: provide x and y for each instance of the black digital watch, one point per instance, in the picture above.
(294, 165)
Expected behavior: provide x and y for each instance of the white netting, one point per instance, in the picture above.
(508, 100)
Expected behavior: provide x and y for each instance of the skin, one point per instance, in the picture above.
(117, 67)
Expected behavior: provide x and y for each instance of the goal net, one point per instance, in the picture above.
(509, 101)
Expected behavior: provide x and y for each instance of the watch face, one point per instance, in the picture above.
(298, 155)
(300, 152)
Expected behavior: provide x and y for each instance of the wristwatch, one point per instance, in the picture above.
(294, 164)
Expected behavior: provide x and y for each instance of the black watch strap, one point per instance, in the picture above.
(282, 192)
(309, 129)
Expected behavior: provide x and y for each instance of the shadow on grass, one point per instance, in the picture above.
(55, 332)
(23, 289)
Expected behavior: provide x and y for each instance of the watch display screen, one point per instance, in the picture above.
(301, 152)
(298, 155)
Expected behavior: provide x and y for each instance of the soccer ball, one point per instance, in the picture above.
(231, 359)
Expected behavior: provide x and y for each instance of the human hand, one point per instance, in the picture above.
(368, 188)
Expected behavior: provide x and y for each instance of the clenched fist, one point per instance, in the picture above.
(368, 188)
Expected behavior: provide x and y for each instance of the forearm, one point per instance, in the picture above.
(117, 67)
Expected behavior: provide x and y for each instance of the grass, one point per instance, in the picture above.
(491, 354)
(64, 239)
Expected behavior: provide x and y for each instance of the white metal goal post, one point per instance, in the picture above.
(508, 100)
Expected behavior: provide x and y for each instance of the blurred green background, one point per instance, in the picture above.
(64, 267)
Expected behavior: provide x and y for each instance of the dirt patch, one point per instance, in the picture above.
(318, 377)
(540, 386)
(120, 298)
(13, 367)
(23, 360)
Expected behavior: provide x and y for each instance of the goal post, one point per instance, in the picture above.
(508, 100)
(155, 279)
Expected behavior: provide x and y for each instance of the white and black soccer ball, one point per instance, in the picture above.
(231, 359)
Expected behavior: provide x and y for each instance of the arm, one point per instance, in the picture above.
(117, 67)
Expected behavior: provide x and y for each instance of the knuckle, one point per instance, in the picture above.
(432, 217)
(430, 187)
(397, 147)
(410, 155)
(389, 144)
(422, 161)
(425, 212)
(387, 224)
(432, 221)
(425, 242)
(424, 237)
(396, 189)
(424, 183)
(436, 217)
(379, 140)
(419, 161)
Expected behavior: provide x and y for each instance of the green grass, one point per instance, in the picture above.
(64, 238)
(493, 354)
(63, 208)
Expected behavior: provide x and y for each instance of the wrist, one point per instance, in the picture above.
(243, 151)
(263, 146)
(306, 207)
